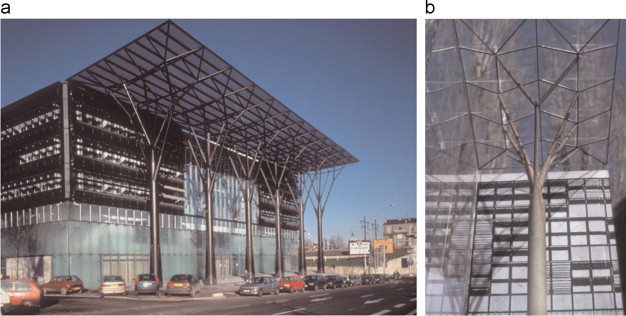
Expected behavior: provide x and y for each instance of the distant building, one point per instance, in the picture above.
(402, 231)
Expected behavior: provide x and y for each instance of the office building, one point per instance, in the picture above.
(149, 161)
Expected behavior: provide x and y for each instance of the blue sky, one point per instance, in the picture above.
(354, 80)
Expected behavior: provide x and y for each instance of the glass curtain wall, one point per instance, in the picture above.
(582, 271)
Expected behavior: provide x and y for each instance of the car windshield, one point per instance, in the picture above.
(258, 280)
(22, 286)
(146, 277)
(113, 278)
(73, 278)
(7, 286)
(285, 280)
(180, 277)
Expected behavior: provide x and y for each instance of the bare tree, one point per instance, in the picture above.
(336, 242)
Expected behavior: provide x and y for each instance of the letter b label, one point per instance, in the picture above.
(430, 8)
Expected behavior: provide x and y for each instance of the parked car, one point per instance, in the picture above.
(259, 286)
(367, 279)
(20, 293)
(63, 284)
(315, 282)
(336, 281)
(147, 283)
(379, 278)
(345, 279)
(388, 277)
(291, 284)
(183, 284)
(5, 302)
(355, 279)
(112, 284)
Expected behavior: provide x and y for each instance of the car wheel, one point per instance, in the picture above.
(64, 291)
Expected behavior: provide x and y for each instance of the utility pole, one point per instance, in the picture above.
(375, 226)
(364, 224)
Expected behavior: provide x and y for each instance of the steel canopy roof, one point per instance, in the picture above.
(166, 70)
(476, 67)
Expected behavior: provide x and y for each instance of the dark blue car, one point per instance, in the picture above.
(147, 283)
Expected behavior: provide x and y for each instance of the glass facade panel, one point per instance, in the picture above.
(577, 250)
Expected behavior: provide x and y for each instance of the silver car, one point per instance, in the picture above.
(259, 286)
(112, 284)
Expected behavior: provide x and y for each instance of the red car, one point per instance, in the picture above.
(291, 284)
(22, 292)
(63, 284)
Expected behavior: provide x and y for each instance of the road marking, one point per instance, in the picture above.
(383, 312)
(272, 302)
(368, 295)
(321, 299)
(291, 311)
(320, 295)
(413, 312)
(398, 305)
(238, 306)
(374, 301)
(413, 299)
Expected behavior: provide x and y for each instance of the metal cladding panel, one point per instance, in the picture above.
(166, 70)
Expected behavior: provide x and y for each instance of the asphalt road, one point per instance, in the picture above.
(394, 298)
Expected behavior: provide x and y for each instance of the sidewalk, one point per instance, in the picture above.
(224, 287)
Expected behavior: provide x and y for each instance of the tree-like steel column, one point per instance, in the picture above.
(296, 192)
(209, 181)
(322, 182)
(278, 265)
(210, 160)
(155, 139)
(245, 173)
(155, 245)
(537, 174)
(276, 174)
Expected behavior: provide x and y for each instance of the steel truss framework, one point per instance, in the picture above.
(478, 70)
(171, 75)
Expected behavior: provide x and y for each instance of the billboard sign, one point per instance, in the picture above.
(386, 243)
(359, 247)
